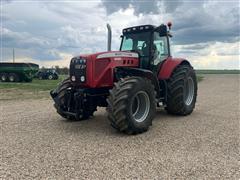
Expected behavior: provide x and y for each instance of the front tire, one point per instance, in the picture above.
(132, 105)
(182, 91)
(60, 92)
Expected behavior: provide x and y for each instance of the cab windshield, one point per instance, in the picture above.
(138, 42)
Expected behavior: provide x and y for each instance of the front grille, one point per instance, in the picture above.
(78, 68)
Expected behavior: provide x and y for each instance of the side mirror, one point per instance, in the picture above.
(162, 29)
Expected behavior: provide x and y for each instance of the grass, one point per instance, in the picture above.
(200, 78)
(40, 88)
(37, 89)
(212, 71)
(36, 84)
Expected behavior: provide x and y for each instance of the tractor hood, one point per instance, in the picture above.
(108, 54)
(97, 70)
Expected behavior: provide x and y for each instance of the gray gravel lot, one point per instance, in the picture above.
(37, 143)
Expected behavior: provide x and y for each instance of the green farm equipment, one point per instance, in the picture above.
(17, 72)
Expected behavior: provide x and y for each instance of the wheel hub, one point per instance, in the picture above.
(4, 78)
(140, 106)
(11, 78)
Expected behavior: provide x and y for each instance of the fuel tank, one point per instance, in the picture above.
(97, 70)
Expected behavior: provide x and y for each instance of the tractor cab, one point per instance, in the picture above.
(150, 42)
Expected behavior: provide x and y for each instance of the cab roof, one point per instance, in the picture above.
(136, 29)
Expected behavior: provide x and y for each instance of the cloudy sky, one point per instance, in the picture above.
(206, 32)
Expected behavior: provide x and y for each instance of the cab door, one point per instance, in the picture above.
(159, 51)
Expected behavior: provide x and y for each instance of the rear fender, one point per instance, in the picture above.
(168, 67)
(121, 72)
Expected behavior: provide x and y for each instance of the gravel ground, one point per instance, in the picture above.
(37, 143)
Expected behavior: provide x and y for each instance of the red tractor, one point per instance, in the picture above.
(130, 82)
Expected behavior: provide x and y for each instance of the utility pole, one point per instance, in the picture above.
(13, 56)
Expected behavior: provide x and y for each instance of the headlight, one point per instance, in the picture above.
(73, 78)
(78, 60)
(82, 78)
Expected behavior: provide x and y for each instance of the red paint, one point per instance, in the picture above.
(168, 67)
(100, 72)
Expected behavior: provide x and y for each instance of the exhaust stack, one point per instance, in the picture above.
(109, 37)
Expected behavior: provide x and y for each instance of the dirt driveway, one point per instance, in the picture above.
(37, 143)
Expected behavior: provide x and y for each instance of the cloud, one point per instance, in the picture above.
(138, 6)
(51, 31)
(39, 48)
(193, 21)
(203, 23)
(21, 40)
(141, 7)
(48, 32)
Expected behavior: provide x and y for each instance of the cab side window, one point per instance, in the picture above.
(160, 48)
(128, 44)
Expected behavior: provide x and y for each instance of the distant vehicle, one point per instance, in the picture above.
(17, 72)
(50, 74)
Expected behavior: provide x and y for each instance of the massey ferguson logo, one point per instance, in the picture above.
(117, 54)
(123, 54)
(80, 66)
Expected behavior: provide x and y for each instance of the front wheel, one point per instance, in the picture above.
(132, 105)
(61, 93)
(182, 91)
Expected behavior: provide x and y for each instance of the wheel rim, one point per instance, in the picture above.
(50, 77)
(3, 78)
(189, 91)
(11, 78)
(140, 106)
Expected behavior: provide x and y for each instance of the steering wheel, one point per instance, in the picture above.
(140, 48)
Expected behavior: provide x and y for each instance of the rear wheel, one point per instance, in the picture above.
(182, 91)
(50, 77)
(131, 105)
(61, 92)
(3, 77)
(13, 77)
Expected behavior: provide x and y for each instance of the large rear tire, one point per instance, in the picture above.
(61, 91)
(132, 105)
(182, 91)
